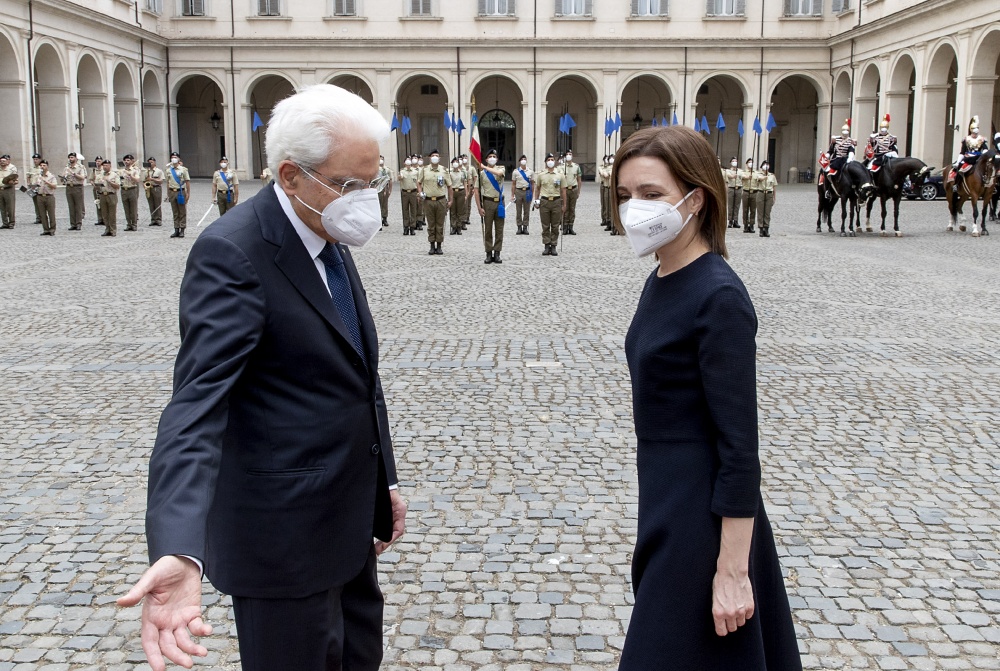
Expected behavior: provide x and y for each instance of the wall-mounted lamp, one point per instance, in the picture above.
(215, 119)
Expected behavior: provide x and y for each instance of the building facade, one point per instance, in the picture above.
(148, 76)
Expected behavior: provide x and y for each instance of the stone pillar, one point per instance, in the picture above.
(896, 105)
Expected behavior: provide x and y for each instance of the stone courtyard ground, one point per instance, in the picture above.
(510, 403)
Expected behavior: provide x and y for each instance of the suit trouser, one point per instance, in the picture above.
(571, 197)
(74, 200)
(222, 200)
(523, 208)
(383, 203)
(764, 202)
(47, 211)
(435, 211)
(108, 208)
(130, 205)
(408, 199)
(155, 202)
(338, 629)
(551, 216)
(749, 209)
(492, 226)
(7, 205)
(180, 211)
(733, 198)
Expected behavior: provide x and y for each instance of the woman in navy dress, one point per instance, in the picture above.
(709, 594)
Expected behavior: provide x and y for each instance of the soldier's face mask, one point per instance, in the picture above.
(223, 165)
(174, 161)
(492, 160)
(435, 160)
(732, 164)
(550, 164)
(569, 157)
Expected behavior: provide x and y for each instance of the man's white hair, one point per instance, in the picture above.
(308, 127)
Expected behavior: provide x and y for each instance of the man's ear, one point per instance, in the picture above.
(289, 177)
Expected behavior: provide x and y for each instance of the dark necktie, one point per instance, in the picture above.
(340, 290)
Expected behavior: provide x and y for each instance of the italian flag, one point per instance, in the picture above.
(474, 148)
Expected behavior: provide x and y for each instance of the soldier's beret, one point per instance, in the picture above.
(548, 156)
(491, 152)
(6, 156)
(150, 159)
(72, 154)
(129, 157)
(36, 156)
(223, 159)
(174, 153)
(434, 151)
(105, 162)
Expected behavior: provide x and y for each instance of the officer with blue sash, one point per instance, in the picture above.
(489, 197)
(178, 192)
(225, 187)
(521, 180)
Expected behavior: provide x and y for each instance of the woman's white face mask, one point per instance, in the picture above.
(353, 219)
(650, 224)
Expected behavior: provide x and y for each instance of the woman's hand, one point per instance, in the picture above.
(732, 593)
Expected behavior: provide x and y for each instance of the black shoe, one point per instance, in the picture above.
(109, 234)
(489, 257)
(154, 223)
(458, 231)
(46, 233)
(548, 250)
(553, 252)
(177, 233)
(496, 257)
(751, 230)
(439, 252)
(571, 232)
(433, 250)
(99, 223)
(6, 226)
(764, 233)
(451, 232)
(385, 222)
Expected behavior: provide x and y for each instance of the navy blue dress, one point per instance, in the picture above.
(691, 352)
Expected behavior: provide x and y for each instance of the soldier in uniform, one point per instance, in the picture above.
(604, 179)
(408, 195)
(841, 148)
(179, 192)
(882, 145)
(418, 162)
(33, 184)
(74, 175)
(8, 182)
(107, 182)
(521, 180)
(434, 185)
(734, 193)
(457, 209)
(489, 197)
(225, 187)
(153, 185)
(266, 177)
(131, 178)
(98, 160)
(550, 199)
(383, 195)
(765, 185)
(748, 203)
(573, 181)
(46, 183)
(973, 146)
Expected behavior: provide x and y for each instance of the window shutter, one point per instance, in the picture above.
(817, 7)
(788, 7)
(482, 7)
(588, 7)
(837, 7)
(263, 7)
(197, 7)
(559, 7)
(415, 7)
(510, 7)
(710, 8)
(635, 7)
(741, 8)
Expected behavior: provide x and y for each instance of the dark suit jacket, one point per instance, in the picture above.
(273, 459)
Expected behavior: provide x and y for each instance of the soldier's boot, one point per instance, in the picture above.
(439, 252)
(553, 251)
(433, 250)
(176, 233)
(489, 257)
(496, 257)
(547, 251)
(571, 231)
(764, 233)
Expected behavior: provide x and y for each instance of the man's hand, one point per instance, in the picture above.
(398, 521)
(170, 591)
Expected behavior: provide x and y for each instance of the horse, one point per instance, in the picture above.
(976, 185)
(851, 183)
(825, 206)
(888, 183)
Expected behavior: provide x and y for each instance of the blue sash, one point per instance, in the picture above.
(229, 189)
(501, 211)
(527, 194)
(180, 193)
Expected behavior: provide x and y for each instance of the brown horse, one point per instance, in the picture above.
(975, 185)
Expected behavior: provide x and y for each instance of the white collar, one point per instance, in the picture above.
(313, 243)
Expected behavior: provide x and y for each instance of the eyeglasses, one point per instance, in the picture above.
(352, 185)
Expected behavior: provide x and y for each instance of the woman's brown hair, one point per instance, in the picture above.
(693, 163)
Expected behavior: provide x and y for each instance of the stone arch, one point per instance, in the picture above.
(92, 107)
(643, 99)
(576, 95)
(867, 104)
(51, 102)
(840, 105)
(12, 133)
(795, 141)
(422, 99)
(499, 97)
(940, 96)
(126, 112)
(262, 95)
(356, 84)
(900, 98)
(154, 118)
(725, 93)
(200, 123)
(984, 81)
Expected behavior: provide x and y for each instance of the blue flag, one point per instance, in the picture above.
(663, 119)
(460, 127)
(721, 123)
(653, 122)
(697, 125)
(674, 122)
(257, 123)
(618, 121)
(771, 123)
(608, 124)
(562, 124)
(447, 120)
(394, 124)
(739, 128)
(569, 122)
(756, 125)
(475, 118)
(405, 125)
(704, 125)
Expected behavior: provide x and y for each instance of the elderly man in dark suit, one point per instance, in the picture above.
(273, 471)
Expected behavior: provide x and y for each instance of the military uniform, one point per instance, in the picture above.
(153, 185)
(604, 179)
(107, 185)
(224, 191)
(33, 187)
(841, 148)
(93, 181)
(521, 183)
(435, 187)
(178, 195)
(734, 192)
(408, 198)
(383, 195)
(8, 188)
(467, 175)
(763, 185)
(549, 188)
(572, 178)
(131, 178)
(458, 200)
(882, 146)
(973, 146)
(46, 183)
(749, 204)
(491, 202)
(75, 176)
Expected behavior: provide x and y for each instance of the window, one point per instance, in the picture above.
(649, 7)
(268, 7)
(496, 7)
(428, 89)
(155, 6)
(803, 7)
(192, 7)
(726, 8)
(840, 6)
(421, 8)
(574, 7)
(345, 8)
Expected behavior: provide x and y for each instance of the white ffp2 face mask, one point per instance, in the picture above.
(352, 219)
(650, 224)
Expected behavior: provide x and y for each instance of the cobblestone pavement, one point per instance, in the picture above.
(511, 412)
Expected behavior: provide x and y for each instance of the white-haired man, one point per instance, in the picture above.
(272, 469)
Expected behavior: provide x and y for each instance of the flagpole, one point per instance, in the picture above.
(260, 154)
